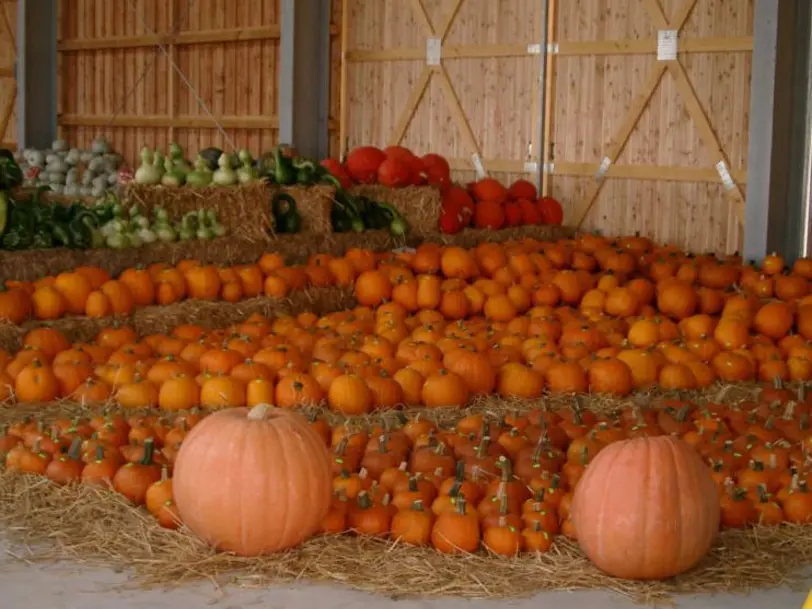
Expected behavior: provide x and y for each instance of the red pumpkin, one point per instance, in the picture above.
(437, 171)
(513, 214)
(414, 163)
(488, 189)
(551, 211)
(489, 214)
(394, 173)
(451, 220)
(530, 214)
(338, 171)
(363, 163)
(646, 509)
(522, 189)
(253, 481)
(458, 197)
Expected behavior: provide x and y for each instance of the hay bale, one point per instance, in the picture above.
(243, 208)
(33, 264)
(419, 205)
(314, 204)
(48, 196)
(218, 314)
(210, 314)
(470, 237)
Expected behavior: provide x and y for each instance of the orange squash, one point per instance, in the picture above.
(281, 480)
(646, 509)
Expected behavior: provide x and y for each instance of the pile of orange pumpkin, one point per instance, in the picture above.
(92, 292)
(503, 483)
(436, 327)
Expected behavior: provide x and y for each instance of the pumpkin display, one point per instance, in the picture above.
(273, 482)
(646, 508)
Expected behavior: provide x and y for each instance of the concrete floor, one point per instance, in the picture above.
(66, 587)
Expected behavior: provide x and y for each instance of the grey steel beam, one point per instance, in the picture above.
(36, 73)
(777, 110)
(304, 75)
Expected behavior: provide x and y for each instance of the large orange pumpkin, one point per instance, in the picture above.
(272, 486)
(646, 508)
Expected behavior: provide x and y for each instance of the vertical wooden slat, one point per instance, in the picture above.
(344, 108)
(549, 97)
(171, 75)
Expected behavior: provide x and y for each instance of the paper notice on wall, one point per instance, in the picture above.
(667, 45)
(434, 51)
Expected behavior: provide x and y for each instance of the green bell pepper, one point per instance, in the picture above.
(287, 218)
(284, 172)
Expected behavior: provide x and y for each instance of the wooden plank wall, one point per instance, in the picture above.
(668, 187)
(495, 83)
(115, 81)
(8, 82)
(336, 60)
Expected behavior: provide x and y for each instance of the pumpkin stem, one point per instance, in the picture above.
(75, 450)
(417, 505)
(503, 505)
(482, 449)
(459, 475)
(802, 392)
(507, 471)
(99, 453)
(164, 473)
(763, 496)
(461, 505)
(413, 484)
(149, 452)
(364, 502)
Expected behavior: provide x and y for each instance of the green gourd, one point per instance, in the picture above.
(201, 175)
(247, 172)
(172, 175)
(147, 173)
(225, 175)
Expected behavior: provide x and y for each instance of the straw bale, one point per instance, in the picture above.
(419, 205)
(33, 264)
(245, 208)
(213, 314)
(314, 204)
(95, 527)
(471, 237)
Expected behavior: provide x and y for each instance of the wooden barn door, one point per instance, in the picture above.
(649, 115)
(8, 80)
(457, 77)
